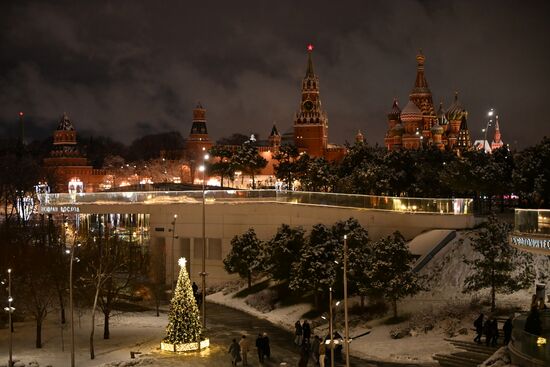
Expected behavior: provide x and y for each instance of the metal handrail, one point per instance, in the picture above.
(454, 206)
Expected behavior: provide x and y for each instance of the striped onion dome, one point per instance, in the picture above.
(411, 113)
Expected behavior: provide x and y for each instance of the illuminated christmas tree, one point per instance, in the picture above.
(184, 325)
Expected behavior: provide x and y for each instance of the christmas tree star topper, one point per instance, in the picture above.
(182, 261)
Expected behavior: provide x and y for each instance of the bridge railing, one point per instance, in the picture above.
(456, 206)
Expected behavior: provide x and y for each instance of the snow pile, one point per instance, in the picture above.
(501, 358)
(18, 363)
(130, 363)
(447, 271)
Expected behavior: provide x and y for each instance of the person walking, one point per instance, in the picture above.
(267, 348)
(315, 349)
(195, 292)
(534, 301)
(306, 331)
(478, 324)
(260, 348)
(235, 352)
(298, 333)
(494, 332)
(304, 354)
(322, 353)
(507, 329)
(244, 343)
(487, 330)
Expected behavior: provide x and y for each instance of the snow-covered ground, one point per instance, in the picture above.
(445, 300)
(140, 332)
(377, 345)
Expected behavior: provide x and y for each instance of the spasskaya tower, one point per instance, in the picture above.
(311, 122)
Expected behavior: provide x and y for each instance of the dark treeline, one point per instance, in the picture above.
(490, 178)
(427, 173)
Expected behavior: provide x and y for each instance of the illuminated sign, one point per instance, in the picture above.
(542, 243)
(48, 209)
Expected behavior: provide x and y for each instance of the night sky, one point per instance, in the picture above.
(129, 68)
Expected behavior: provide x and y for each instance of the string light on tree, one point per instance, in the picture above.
(184, 328)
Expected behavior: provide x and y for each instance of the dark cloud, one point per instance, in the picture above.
(125, 68)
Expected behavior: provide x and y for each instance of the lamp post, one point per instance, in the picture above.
(10, 310)
(330, 327)
(71, 304)
(203, 272)
(172, 252)
(346, 326)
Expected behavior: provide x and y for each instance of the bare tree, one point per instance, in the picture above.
(113, 267)
(36, 290)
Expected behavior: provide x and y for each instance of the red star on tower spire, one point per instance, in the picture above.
(310, 47)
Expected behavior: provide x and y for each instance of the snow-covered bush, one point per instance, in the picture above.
(500, 358)
(263, 301)
(399, 333)
(422, 322)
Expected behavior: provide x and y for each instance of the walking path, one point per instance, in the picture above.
(224, 324)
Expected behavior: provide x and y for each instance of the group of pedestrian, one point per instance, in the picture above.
(302, 332)
(489, 329)
(239, 351)
(314, 347)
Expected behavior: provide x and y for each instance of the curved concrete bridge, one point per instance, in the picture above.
(149, 217)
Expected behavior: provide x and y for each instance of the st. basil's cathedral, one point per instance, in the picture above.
(418, 125)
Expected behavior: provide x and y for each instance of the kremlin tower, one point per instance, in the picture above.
(274, 139)
(198, 140)
(66, 166)
(311, 122)
(497, 141)
(198, 143)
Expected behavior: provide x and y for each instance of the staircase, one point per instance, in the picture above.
(473, 354)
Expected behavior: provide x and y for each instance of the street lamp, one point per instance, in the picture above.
(71, 305)
(10, 310)
(330, 327)
(202, 168)
(172, 252)
(346, 326)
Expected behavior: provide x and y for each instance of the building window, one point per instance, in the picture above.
(215, 248)
(197, 248)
